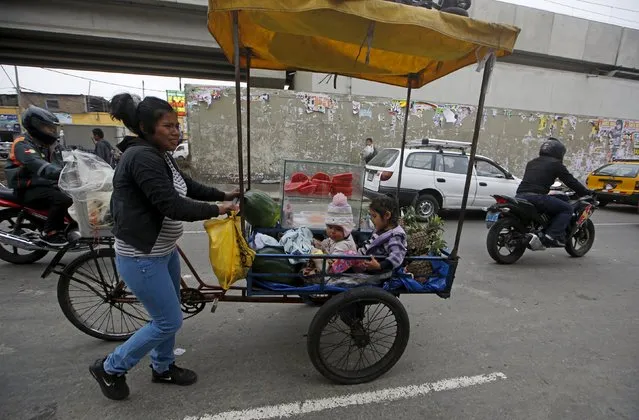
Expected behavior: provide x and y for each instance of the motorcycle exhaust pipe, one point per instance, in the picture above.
(535, 244)
(19, 242)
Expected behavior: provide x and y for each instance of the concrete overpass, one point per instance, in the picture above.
(158, 37)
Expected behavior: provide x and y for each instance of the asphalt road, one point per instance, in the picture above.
(559, 335)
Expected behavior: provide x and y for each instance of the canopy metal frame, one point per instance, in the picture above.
(488, 64)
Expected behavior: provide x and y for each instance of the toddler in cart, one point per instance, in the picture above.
(388, 240)
(339, 241)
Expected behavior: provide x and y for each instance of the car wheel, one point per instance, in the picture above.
(426, 206)
(455, 11)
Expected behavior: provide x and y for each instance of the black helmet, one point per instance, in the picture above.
(553, 148)
(41, 124)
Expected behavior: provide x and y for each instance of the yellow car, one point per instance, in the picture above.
(616, 182)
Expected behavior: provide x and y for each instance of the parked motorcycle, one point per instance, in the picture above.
(20, 229)
(516, 225)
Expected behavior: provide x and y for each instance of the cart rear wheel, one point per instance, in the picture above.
(358, 335)
(95, 300)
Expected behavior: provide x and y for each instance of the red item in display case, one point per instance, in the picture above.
(290, 187)
(347, 190)
(299, 177)
(307, 189)
(323, 187)
(321, 176)
(343, 179)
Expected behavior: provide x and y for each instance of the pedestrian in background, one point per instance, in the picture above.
(369, 151)
(103, 148)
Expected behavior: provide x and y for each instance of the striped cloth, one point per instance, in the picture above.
(171, 230)
(391, 244)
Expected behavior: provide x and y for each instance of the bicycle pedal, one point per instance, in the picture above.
(214, 305)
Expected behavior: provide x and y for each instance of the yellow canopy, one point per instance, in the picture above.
(376, 40)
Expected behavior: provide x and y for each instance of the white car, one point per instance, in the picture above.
(434, 176)
(181, 153)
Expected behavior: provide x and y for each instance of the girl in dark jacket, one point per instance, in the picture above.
(151, 197)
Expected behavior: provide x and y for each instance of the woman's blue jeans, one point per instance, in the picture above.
(155, 281)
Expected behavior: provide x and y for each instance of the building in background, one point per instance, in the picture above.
(78, 115)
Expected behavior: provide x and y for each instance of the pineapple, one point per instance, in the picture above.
(422, 239)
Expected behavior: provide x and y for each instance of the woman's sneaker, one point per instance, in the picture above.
(175, 375)
(113, 386)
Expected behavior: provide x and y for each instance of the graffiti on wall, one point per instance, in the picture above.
(333, 128)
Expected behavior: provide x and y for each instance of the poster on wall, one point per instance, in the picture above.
(621, 136)
(177, 100)
(9, 122)
(317, 102)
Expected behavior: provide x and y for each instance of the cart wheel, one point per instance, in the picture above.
(96, 301)
(358, 335)
(315, 300)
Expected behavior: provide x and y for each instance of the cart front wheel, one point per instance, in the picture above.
(358, 335)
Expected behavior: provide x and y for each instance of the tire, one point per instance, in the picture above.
(580, 243)
(455, 11)
(13, 254)
(494, 240)
(460, 4)
(315, 300)
(603, 203)
(95, 271)
(352, 309)
(426, 206)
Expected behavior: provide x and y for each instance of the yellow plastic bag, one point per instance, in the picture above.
(230, 255)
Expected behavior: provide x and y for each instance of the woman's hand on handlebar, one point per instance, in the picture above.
(229, 196)
(227, 207)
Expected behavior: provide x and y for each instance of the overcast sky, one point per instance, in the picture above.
(618, 12)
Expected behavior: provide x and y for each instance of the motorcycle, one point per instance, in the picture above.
(20, 229)
(516, 225)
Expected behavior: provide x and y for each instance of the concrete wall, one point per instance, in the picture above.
(523, 87)
(283, 128)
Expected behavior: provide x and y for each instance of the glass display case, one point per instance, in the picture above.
(308, 188)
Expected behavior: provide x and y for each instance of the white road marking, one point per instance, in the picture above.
(380, 396)
(484, 294)
(193, 232)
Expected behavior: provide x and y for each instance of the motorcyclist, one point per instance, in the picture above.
(539, 176)
(33, 169)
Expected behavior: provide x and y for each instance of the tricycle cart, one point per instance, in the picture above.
(358, 333)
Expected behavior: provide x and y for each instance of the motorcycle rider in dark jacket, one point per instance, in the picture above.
(33, 169)
(539, 176)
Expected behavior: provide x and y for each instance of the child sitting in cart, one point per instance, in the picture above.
(339, 225)
(388, 240)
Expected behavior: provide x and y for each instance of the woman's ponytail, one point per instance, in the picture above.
(123, 107)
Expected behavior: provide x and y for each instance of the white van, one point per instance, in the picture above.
(434, 175)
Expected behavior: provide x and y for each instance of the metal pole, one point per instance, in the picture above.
(238, 112)
(248, 118)
(19, 95)
(401, 153)
(143, 95)
(488, 69)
